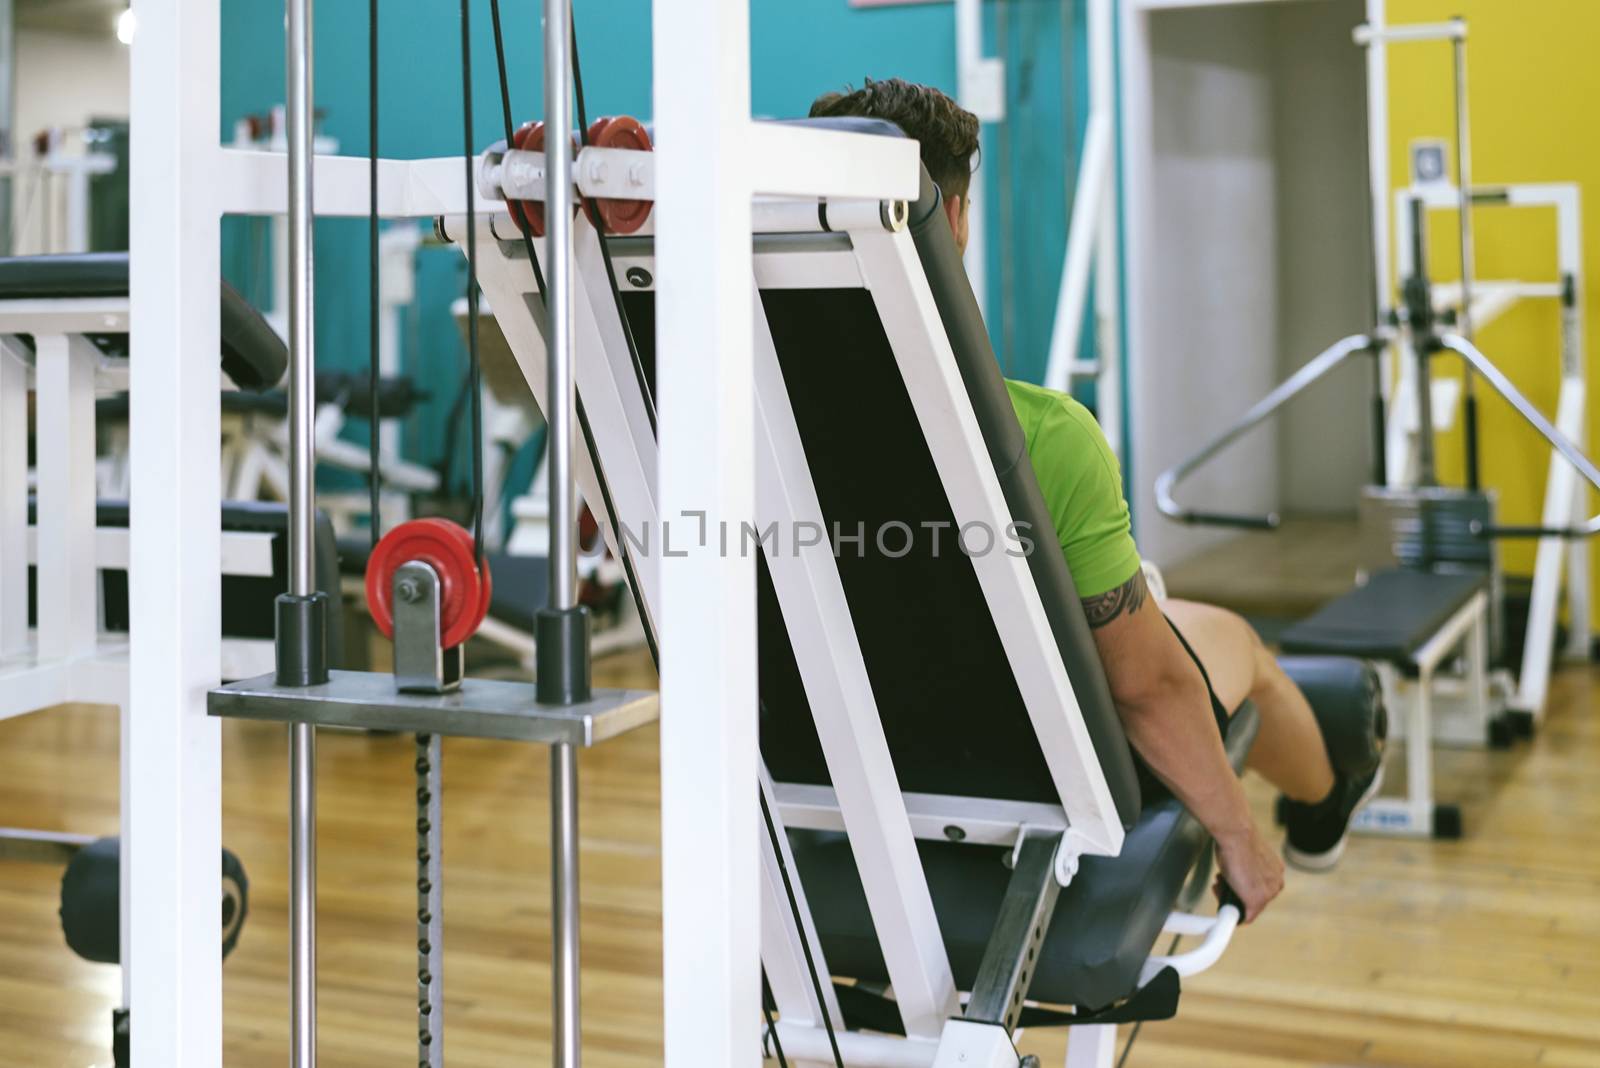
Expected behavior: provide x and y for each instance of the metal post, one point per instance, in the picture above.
(558, 218)
(1378, 160)
(302, 737)
(1419, 290)
(1464, 192)
(564, 914)
(563, 514)
(1378, 224)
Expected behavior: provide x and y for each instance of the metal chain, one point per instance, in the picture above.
(430, 901)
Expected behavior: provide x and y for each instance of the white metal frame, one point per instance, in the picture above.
(1466, 631)
(1566, 496)
(1093, 242)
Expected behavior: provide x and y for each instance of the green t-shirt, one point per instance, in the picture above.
(1082, 487)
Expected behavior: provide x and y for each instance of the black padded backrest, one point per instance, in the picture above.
(950, 707)
(253, 354)
(980, 372)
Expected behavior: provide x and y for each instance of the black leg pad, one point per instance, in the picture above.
(1347, 698)
(90, 896)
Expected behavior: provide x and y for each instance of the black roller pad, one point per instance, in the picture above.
(91, 894)
(1347, 698)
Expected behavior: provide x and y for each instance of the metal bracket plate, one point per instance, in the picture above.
(481, 708)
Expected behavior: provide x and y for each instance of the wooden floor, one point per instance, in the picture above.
(1287, 573)
(1482, 952)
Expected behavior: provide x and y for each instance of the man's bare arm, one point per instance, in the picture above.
(1165, 708)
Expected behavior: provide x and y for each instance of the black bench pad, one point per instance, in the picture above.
(253, 354)
(1388, 619)
(1105, 923)
(521, 589)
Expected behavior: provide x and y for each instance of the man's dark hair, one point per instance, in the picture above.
(947, 132)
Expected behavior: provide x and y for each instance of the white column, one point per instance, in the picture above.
(173, 824)
(13, 499)
(68, 610)
(709, 813)
(1108, 271)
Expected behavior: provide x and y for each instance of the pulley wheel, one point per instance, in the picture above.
(529, 214)
(464, 589)
(621, 131)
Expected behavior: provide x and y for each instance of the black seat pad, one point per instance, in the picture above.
(253, 354)
(520, 589)
(1389, 619)
(1105, 923)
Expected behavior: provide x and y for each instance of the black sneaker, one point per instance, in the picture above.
(1317, 833)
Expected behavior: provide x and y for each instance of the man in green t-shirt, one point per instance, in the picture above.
(1175, 671)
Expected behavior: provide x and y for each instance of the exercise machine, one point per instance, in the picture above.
(1433, 589)
(429, 588)
(890, 814)
(843, 225)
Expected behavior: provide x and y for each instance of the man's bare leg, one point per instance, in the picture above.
(1289, 750)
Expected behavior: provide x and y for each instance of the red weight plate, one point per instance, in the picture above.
(528, 214)
(621, 131)
(448, 549)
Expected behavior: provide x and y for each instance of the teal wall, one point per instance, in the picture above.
(798, 49)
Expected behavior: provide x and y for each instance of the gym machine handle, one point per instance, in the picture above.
(1570, 533)
(1286, 391)
(1534, 417)
(1215, 933)
(1270, 521)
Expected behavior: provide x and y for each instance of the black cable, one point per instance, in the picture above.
(544, 300)
(374, 475)
(605, 244)
(772, 1027)
(1133, 1035)
(805, 943)
(474, 371)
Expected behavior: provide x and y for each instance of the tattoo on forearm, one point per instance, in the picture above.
(1126, 599)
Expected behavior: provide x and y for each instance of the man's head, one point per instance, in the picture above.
(947, 132)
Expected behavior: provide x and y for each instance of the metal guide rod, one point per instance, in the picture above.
(563, 515)
(302, 739)
(1464, 182)
(564, 912)
(1421, 313)
(1378, 228)
(1314, 370)
(558, 220)
(1532, 415)
(1464, 195)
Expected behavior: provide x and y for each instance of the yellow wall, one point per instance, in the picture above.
(1533, 74)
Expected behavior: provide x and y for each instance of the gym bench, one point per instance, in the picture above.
(64, 553)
